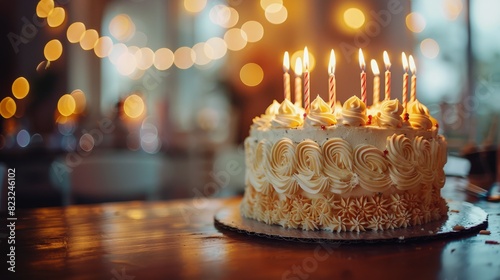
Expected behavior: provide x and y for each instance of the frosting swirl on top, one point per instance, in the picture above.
(390, 114)
(419, 115)
(265, 119)
(320, 114)
(287, 116)
(354, 112)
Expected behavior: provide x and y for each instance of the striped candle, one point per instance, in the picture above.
(307, 85)
(332, 91)
(387, 63)
(405, 80)
(298, 82)
(413, 68)
(286, 76)
(362, 76)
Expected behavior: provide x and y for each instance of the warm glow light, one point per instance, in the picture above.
(276, 13)
(254, 31)
(354, 18)
(44, 8)
(415, 22)
(195, 6)
(266, 3)
(66, 105)
(387, 62)
(361, 60)
(163, 59)
(219, 46)
(413, 68)
(117, 51)
(251, 74)
(298, 67)
(133, 106)
(20, 88)
(103, 46)
(126, 63)
(404, 60)
(236, 39)
(184, 57)
(122, 27)
(75, 32)
(374, 66)
(145, 58)
(429, 48)
(7, 107)
(453, 8)
(224, 16)
(300, 54)
(56, 17)
(286, 62)
(80, 100)
(89, 39)
(331, 63)
(203, 52)
(53, 50)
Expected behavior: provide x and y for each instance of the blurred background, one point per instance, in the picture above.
(152, 99)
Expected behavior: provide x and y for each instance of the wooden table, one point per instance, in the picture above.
(178, 240)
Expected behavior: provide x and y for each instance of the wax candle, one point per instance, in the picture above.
(307, 85)
(286, 76)
(413, 68)
(387, 63)
(376, 82)
(298, 82)
(332, 91)
(362, 76)
(405, 80)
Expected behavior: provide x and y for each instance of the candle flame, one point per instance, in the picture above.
(286, 62)
(387, 62)
(361, 60)
(298, 67)
(332, 63)
(405, 61)
(306, 59)
(375, 69)
(413, 68)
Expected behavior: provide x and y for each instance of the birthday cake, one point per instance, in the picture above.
(345, 168)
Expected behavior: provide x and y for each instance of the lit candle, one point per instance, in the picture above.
(362, 76)
(376, 82)
(298, 82)
(307, 85)
(413, 68)
(286, 76)
(332, 91)
(387, 63)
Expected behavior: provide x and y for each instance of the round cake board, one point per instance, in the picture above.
(471, 219)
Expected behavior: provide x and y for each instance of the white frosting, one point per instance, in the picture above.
(320, 114)
(265, 119)
(287, 116)
(389, 114)
(354, 112)
(419, 115)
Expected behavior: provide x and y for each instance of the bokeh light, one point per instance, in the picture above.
(429, 48)
(254, 31)
(251, 74)
(219, 46)
(44, 8)
(300, 53)
(117, 51)
(415, 22)
(163, 59)
(126, 63)
(266, 3)
(56, 17)
(103, 47)
(89, 39)
(87, 142)
(184, 57)
(23, 138)
(80, 100)
(53, 50)
(133, 106)
(203, 53)
(8, 107)
(224, 16)
(75, 32)
(354, 18)
(195, 6)
(122, 27)
(453, 8)
(66, 105)
(276, 13)
(20, 88)
(145, 58)
(236, 39)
